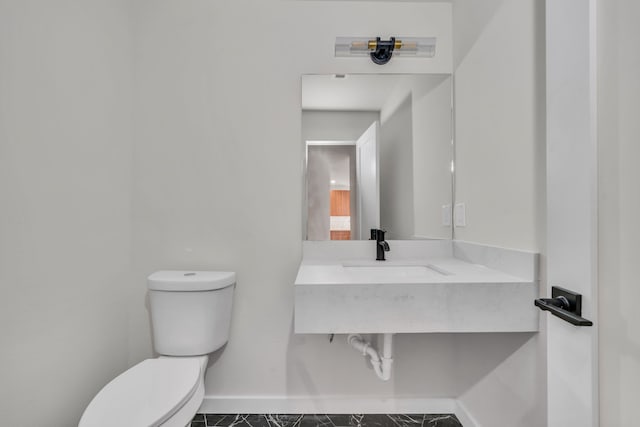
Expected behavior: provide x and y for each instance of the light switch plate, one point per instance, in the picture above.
(446, 215)
(459, 215)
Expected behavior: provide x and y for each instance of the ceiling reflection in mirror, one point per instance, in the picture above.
(378, 154)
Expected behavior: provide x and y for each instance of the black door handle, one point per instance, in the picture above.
(565, 304)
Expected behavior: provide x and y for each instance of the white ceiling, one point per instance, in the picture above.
(353, 92)
(398, 1)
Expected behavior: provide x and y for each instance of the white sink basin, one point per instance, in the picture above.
(411, 295)
(397, 269)
(392, 271)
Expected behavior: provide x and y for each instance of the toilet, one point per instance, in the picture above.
(190, 318)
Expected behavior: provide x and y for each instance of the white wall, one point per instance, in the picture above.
(65, 204)
(432, 155)
(500, 170)
(318, 188)
(619, 210)
(499, 115)
(336, 125)
(396, 171)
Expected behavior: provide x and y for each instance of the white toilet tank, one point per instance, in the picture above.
(190, 311)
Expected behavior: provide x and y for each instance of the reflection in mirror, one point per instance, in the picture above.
(378, 155)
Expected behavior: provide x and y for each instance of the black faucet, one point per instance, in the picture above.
(381, 245)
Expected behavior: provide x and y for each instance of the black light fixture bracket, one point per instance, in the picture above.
(383, 50)
(380, 51)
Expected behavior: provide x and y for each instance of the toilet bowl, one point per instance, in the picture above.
(163, 392)
(190, 314)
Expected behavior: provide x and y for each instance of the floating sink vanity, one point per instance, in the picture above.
(424, 286)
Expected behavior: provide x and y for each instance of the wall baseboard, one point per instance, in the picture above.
(465, 416)
(334, 405)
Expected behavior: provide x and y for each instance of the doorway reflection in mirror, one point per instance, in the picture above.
(331, 196)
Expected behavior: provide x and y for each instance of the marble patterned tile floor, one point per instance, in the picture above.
(325, 420)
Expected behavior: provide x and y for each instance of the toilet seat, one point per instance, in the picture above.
(148, 394)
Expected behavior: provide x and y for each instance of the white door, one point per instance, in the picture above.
(368, 180)
(571, 209)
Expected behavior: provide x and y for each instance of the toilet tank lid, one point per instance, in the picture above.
(190, 280)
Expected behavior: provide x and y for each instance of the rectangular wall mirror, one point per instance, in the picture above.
(378, 154)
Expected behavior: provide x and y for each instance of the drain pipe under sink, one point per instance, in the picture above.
(381, 365)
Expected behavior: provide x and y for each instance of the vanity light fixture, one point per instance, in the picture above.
(381, 51)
